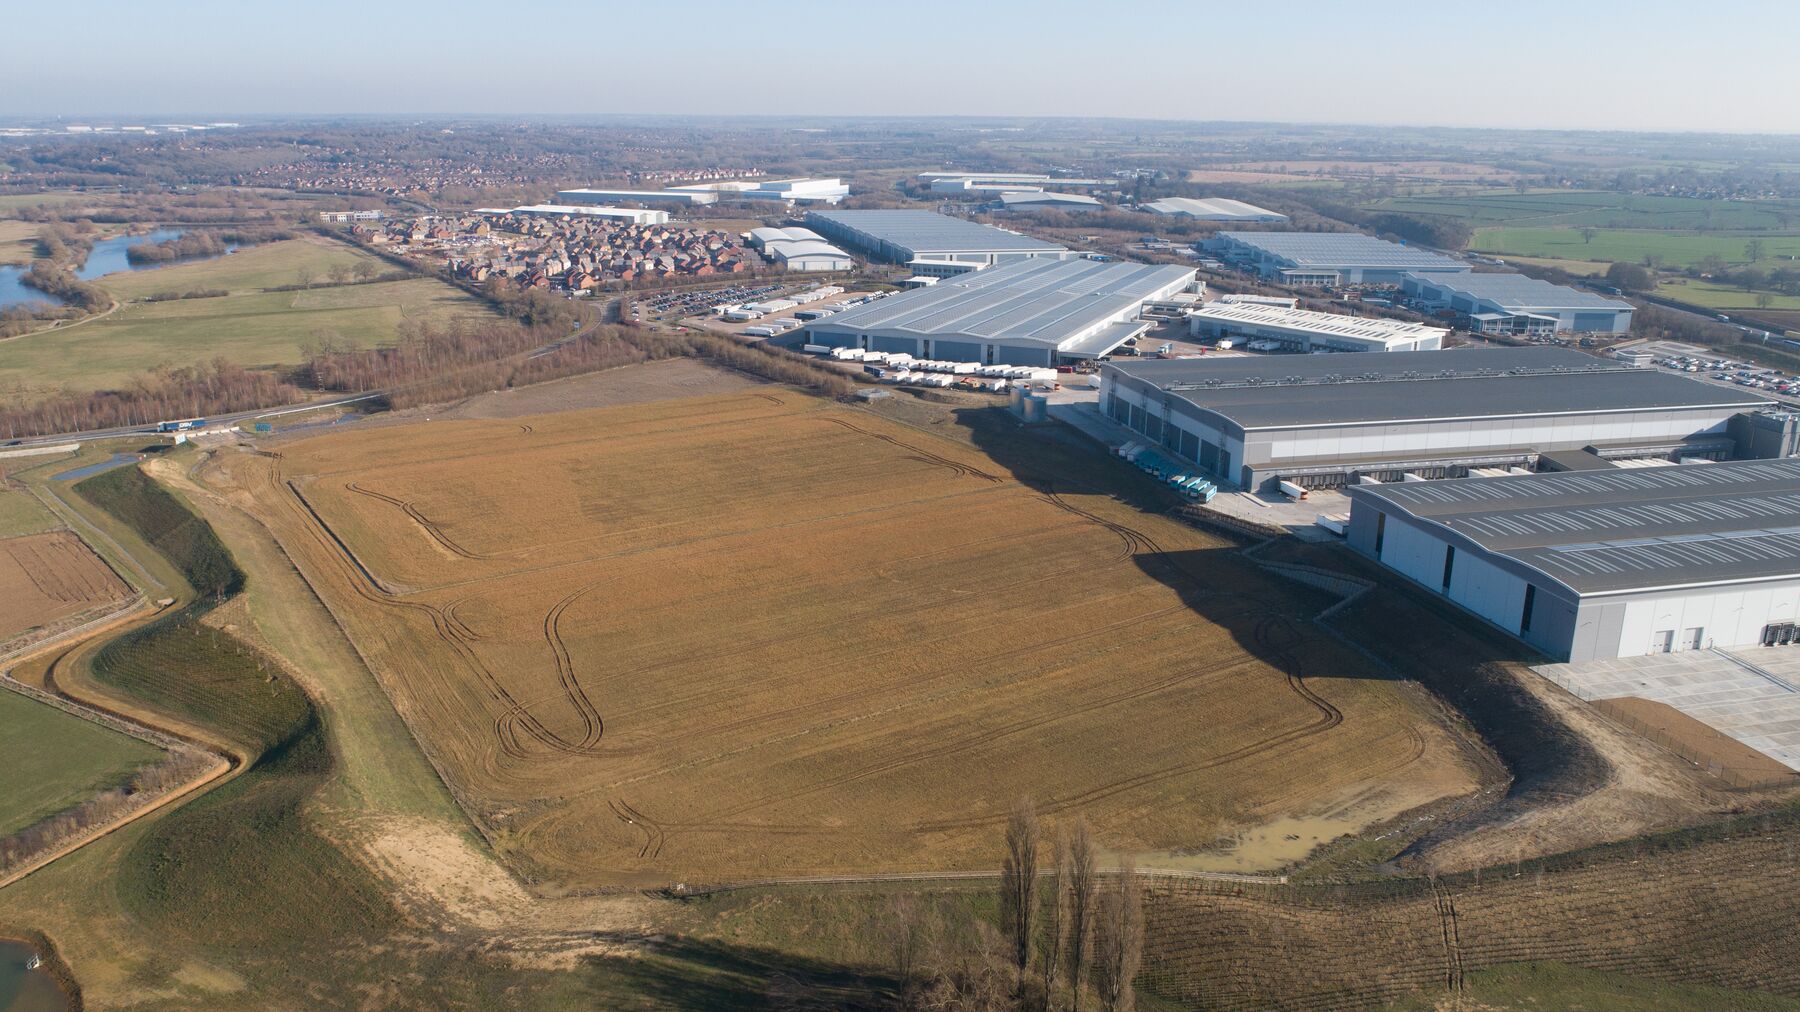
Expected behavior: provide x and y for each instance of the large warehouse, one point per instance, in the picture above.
(901, 236)
(1305, 330)
(1033, 312)
(1213, 209)
(1043, 200)
(800, 249)
(1328, 258)
(1327, 420)
(1600, 564)
(1516, 304)
(587, 196)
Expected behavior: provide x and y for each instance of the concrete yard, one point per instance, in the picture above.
(1751, 695)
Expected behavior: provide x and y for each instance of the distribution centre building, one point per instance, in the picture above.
(587, 196)
(800, 249)
(1595, 565)
(1308, 331)
(1040, 200)
(1324, 421)
(1328, 258)
(1213, 209)
(1515, 304)
(633, 215)
(1029, 313)
(903, 236)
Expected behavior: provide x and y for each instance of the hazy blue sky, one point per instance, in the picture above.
(1726, 65)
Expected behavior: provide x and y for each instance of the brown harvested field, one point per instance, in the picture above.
(45, 578)
(762, 635)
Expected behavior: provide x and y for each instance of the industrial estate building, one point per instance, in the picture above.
(1516, 304)
(994, 182)
(587, 196)
(1037, 200)
(1212, 209)
(634, 215)
(1595, 565)
(1304, 330)
(1331, 420)
(1034, 312)
(902, 237)
(799, 249)
(788, 191)
(1328, 258)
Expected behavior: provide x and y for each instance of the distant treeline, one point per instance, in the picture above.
(197, 293)
(202, 244)
(193, 391)
(52, 278)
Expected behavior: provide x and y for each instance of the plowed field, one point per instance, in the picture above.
(48, 577)
(761, 635)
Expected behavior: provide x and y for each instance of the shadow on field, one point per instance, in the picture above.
(1474, 670)
(711, 974)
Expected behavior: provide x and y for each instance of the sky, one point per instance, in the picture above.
(1725, 65)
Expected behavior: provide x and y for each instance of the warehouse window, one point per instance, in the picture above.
(1449, 564)
(1380, 532)
(1525, 613)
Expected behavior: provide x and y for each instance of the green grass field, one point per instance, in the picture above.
(18, 242)
(12, 201)
(1557, 986)
(1603, 210)
(249, 270)
(1678, 249)
(20, 511)
(1723, 297)
(250, 327)
(55, 760)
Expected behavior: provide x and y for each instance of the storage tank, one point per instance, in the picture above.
(1037, 410)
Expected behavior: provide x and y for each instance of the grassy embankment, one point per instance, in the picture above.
(251, 326)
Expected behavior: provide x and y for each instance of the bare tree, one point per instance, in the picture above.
(1056, 924)
(1018, 884)
(1081, 904)
(1754, 249)
(1587, 235)
(1119, 941)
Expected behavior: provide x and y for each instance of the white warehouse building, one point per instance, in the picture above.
(1328, 258)
(800, 249)
(1515, 304)
(1305, 330)
(1213, 209)
(1027, 313)
(1323, 421)
(632, 215)
(1593, 565)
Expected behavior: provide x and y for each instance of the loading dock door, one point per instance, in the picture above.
(1662, 641)
(1692, 638)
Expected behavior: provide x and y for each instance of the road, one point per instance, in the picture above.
(212, 421)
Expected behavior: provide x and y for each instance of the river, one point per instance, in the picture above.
(107, 257)
(23, 990)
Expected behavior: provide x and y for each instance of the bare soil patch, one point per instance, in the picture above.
(45, 578)
(761, 635)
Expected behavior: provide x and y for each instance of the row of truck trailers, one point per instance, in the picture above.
(904, 369)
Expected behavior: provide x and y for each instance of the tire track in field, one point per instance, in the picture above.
(431, 528)
(918, 453)
(515, 716)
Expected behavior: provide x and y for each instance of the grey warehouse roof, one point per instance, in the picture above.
(1599, 532)
(930, 232)
(1517, 292)
(1320, 390)
(1340, 249)
(1043, 302)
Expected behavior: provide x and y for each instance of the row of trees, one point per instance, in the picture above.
(211, 388)
(1066, 933)
(180, 766)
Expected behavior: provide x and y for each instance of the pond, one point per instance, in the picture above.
(107, 257)
(23, 989)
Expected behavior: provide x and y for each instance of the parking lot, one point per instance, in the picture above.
(1699, 363)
